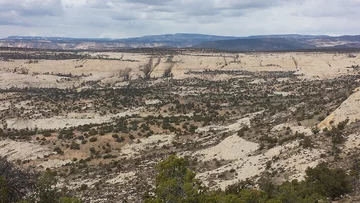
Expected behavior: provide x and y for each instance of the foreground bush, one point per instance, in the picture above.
(24, 187)
(175, 183)
(14, 183)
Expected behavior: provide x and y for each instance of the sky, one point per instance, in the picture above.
(132, 18)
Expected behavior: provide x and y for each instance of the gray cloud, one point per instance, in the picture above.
(122, 18)
(32, 7)
(98, 4)
(151, 2)
(330, 9)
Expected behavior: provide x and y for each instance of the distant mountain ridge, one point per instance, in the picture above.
(283, 43)
(291, 42)
(256, 44)
(180, 40)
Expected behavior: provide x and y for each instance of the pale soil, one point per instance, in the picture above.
(153, 102)
(241, 155)
(230, 148)
(282, 93)
(231, 127)
(77, 184)
(349, 109)
(134, 149)
(8, 80)
(22, 150)
(353, 141)
(312, 65)
(122, 178)
(294, 127)
(71, 120)
(53, 163)
(248, 165)
(4, 105)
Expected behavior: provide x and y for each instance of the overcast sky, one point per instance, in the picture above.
(129, 18)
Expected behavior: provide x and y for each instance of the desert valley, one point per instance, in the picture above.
(102, 120)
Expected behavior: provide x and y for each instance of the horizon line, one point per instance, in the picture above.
(292, 34)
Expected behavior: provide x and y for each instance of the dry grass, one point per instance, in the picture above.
(125, 74)
(147, 68)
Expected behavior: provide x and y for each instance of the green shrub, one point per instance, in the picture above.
(93, 139)
(321, 118)
(176, 183)
(120, 139)
(75, 146)
(59, 151)
(69, 200)
(328, 182)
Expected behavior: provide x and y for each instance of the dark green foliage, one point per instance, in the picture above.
(46, 192)
(19, 186)
(295, 192)
(336, 136)
(315, 130)
(120, 139)
(66, 134)
(193, 128)
(241, 133)
(75, 146)
(44, 188)
(321, 118)
(93, 139)
(69, 200)
(271, 140)
(83, 187)
(320, 182)
(109, 156)
(58, 150)
(4, 190)
(92, 150)
(307, 142)
(268, 165)
(328, 182)
(176, 183)
(47, 134)
(342, 124)
(93, 132)
(238, 187)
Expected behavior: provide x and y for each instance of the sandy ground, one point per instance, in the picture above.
(73, 119)
(353, 141)
(54, 163)
(312, 65)
(153, 102)
(8, 80)
(22, 150)
(284, 94)
(294, 128)
(241, 154)
(225, 150)
(134, 149)
(122, 178)
(245, 121)
(247, 165)
(77, 184)
(349, 109)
